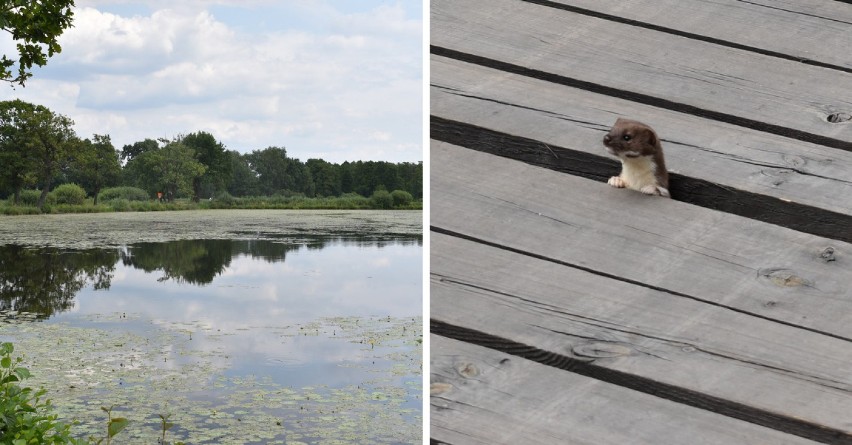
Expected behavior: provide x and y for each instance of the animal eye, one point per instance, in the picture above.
(626, 137)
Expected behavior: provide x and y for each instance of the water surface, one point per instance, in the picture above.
(284, 338)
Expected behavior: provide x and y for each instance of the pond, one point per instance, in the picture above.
(242, 326)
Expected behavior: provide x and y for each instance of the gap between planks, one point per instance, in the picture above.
(483, 396)
(719, 153)
(640, 331)
(792, 215)
(718, 257)
(754, 91)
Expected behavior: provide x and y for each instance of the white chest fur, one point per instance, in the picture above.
(638, 172)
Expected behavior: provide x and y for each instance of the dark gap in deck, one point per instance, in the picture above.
(785, 424)
(800, 217)
(645, 99)
(537, 256)
(689, 35)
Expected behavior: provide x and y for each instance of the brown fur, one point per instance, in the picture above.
(638, 147)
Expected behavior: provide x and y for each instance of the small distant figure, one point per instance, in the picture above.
(642, 165)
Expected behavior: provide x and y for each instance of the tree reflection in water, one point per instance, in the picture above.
(45, 280)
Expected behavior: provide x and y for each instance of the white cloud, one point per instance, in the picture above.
(326, 82)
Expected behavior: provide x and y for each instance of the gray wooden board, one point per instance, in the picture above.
(572, 118)
(483, 396)
(740, 83)
(812, 29)
(685, 343)
(747, 265)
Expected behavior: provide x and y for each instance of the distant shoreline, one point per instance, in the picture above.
(247, 203)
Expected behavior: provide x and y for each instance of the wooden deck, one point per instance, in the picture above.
(567, 311)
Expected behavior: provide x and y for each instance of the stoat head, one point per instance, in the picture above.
(631, 139)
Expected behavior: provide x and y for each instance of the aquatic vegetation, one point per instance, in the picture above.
(289, 376)
(99, 230)
(160, 370)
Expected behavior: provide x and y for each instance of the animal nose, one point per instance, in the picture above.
(607, 138)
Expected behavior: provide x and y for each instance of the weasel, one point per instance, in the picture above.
(642, 165)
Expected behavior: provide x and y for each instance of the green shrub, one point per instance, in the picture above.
(381, 199)
(24, 413)
(68, 194)
(225, 198)
(353, 201)
(29, 197)
(118, 204)
(401, 198)
(19, 210)
(128, 193)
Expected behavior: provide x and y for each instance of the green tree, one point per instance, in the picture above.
(326, 177)
(411, 178)
(243, 181)
(347, 178)
(52, 143)
(36, 27)
(43, 139)
(18, 166)
(270, 165)
(302, 180)
(212, 154)
(96, 165)
(171, 170)
(128, 152)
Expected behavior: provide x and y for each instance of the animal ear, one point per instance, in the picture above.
(652, 137)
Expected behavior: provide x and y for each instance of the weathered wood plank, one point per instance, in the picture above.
(700, 78)
(770, 367)
(487, 397)
(688, 251)
(806, 29)
(721, 153)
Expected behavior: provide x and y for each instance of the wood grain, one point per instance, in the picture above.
(487, 397)
(720, 153)
(681, 347)
(821, 28)
(704, 79)
(688, 251)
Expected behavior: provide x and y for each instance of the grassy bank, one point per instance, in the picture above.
(346, 202)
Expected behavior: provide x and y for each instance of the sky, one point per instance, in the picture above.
(332, 79)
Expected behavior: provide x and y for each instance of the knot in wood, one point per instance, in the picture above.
(467, 370)
(827, 254)
(837, 118)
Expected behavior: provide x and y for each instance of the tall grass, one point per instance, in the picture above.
(120, 203)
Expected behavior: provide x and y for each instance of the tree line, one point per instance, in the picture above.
(39, 149)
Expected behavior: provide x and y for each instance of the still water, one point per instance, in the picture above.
(293, 340)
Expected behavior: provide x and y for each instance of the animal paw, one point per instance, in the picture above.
(616, 181)
(655, 190)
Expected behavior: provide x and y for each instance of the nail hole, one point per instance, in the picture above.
(836, 118)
